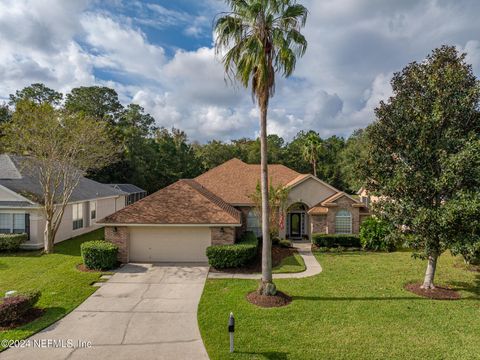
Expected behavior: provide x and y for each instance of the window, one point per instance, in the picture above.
(93, 210)
(343, 222)
(13, 223)
(77, 216)
(253, 223)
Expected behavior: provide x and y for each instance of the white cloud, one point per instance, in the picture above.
(354, 48)
(122, 48)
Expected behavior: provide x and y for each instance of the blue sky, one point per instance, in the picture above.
(159, 54)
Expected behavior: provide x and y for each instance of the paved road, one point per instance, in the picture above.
(145, 311)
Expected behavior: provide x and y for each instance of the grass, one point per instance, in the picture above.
(291, 264)
(355, 309)
(63, 287)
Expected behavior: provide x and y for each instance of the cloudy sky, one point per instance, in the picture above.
(159, 54)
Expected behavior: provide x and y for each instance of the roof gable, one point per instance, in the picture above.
(183, 202)
(28, 184)
(235, 181)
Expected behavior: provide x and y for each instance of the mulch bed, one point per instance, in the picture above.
(31, 315)
(82, 267)
(278, 254)
(280, 299)
(439, 293)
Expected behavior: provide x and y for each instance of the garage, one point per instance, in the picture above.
(169, 244)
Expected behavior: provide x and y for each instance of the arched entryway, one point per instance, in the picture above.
(297, 222)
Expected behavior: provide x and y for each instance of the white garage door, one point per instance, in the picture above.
(169, 244)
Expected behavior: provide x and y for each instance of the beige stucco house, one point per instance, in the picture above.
(179, 222)
(20, 213)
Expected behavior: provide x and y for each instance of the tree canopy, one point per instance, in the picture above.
(149, 161)
(423, 155)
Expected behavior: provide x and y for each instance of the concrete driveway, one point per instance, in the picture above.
(145, 311)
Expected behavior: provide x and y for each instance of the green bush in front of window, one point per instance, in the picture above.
(235, 255)
(374, 235)
(12, 242)
(99, 255)
(336, 240)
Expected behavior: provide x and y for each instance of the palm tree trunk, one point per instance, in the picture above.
(430, 273)
(266, 287)
(314, 168)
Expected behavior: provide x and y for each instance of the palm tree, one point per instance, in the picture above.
(311, 149)
(257, 39)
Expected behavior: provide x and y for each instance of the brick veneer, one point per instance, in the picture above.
(223, 235)
(319, 224)
(325, 224)
(119, 235)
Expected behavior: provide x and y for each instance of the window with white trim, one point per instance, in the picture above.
(253, 223)
(12, 223)
(77, 216)
(93, 210)
(343, 222)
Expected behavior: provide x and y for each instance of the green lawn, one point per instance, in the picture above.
(63, 287)
(291, 264)
(355, 309)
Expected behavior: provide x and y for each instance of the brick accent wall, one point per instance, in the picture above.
(119, 236)
(319, 224)
(343, 203)
(225, 237)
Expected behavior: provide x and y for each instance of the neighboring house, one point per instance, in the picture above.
(366, 197)
(132, 192)
(179, 222)
(20, 212)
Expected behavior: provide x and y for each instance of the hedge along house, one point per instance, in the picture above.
(21, 212)
(179, 222)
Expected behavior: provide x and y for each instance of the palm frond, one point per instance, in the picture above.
(258, 38)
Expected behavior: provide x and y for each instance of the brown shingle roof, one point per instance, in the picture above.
(235, 181)
(183, 202)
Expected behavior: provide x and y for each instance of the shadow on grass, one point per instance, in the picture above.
(269, 355)
(467, 287)
(349, 298)
(22, 253)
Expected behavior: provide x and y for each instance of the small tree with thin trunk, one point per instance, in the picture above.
(278, 197)
(58, 148)
(423, 156)
(257, 39)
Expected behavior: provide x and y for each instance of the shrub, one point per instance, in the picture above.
(470, 252)
(285, 243)
(275, 240)
(335, 240)
(99, 254)
(374, 235)
(14, 308)
(235, 255)
(12, 242)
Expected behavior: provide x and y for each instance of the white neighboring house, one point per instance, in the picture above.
(20, 213)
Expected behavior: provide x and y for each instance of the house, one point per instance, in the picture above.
(132, 192)
(367, 198)
(20, 212)
(179, 222)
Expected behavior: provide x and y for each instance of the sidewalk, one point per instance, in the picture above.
(304, 249)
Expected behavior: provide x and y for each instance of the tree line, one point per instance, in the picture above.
(153, 157)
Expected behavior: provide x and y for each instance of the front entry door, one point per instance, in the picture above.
(295, 225)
